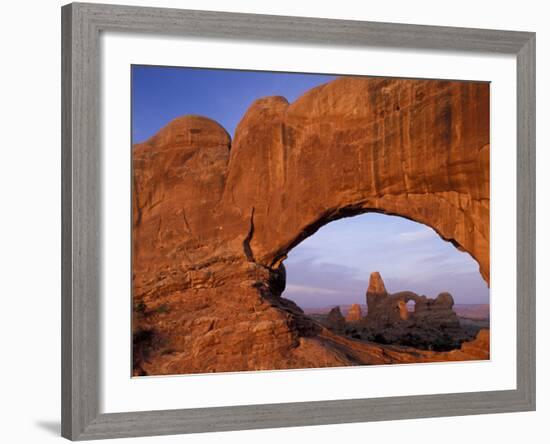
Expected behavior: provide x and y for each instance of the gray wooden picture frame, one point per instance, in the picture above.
(81, 232)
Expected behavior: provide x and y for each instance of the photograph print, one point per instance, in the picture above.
(294, 221)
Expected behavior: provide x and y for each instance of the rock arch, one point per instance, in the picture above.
(414, 148)
(217, 216)
(385, 309)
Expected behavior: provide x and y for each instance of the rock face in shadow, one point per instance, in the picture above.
(335, 319)
(386, 309)
(432, 323)
(213, 219)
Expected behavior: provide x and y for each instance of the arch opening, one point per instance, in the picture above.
(411, 306)
(360, 209)
(431, 284)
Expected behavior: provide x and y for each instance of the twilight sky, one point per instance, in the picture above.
(332, 266)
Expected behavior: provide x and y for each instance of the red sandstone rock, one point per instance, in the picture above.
(213, 220)
(376, 285)
(414, 148)
(376, 292)
(478, 348)
(354, 313)
(335, 319)
(432, 323)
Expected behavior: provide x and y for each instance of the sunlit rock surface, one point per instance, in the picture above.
(354, 313)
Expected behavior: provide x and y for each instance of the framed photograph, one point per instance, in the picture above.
(277, 221)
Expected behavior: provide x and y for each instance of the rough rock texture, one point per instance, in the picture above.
(354, 313)
(335, 319)
(386, 309)
(213, 219)
(376, 293)
(432, 323)
(477, 349)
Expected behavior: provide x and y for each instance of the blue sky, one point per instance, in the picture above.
(160, 94)
(333, 266)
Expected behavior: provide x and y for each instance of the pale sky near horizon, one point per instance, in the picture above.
(333, 266)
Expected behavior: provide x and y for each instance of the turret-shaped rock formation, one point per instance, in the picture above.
(432, 322)
(376, 292)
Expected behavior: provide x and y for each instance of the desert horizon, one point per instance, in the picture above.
(467, 311)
